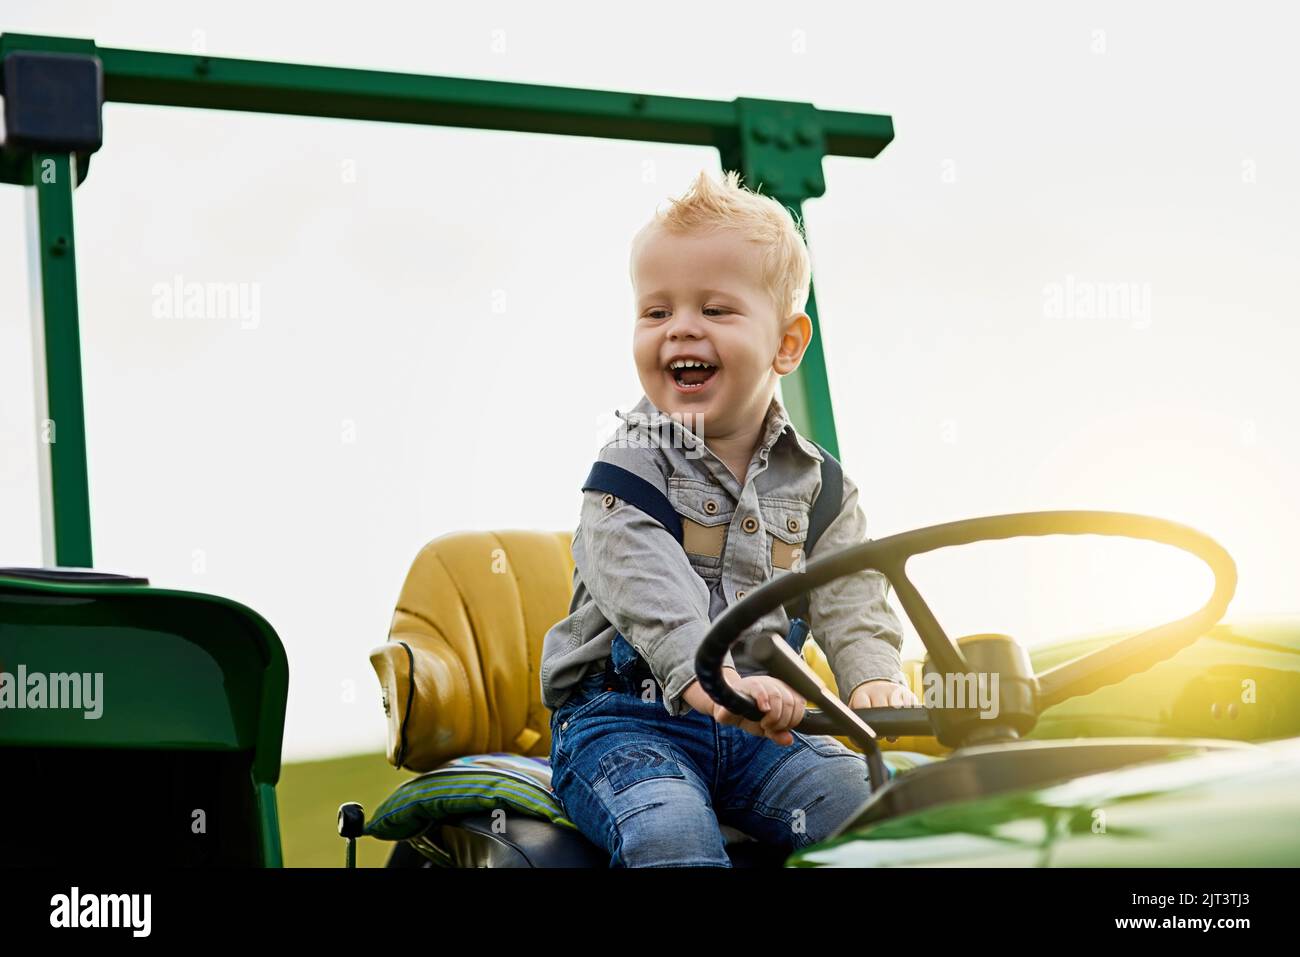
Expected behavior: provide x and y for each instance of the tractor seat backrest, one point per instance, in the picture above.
(459, 671)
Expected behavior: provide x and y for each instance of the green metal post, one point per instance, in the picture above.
(807, 390)
(65, 491)
(779, 147)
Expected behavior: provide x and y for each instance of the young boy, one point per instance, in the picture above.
(646, 765)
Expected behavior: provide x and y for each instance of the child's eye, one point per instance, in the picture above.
(655, 313)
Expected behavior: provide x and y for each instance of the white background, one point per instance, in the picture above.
(442, 342)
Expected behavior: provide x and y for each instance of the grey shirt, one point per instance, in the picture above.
(631, 576)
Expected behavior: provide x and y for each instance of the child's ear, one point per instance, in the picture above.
(794, 342)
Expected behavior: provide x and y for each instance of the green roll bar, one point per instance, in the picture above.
(776, 145)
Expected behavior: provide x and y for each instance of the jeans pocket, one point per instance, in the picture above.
(578, 705)
(588, 706)
(638, 761)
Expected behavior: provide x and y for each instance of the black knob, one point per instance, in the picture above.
(352, 820)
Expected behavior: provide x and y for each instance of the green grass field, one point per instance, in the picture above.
(309, 795)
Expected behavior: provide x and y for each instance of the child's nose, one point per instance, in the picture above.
(685, 323)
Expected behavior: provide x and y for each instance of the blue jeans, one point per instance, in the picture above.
(651, 788)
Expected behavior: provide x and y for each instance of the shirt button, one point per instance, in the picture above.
(607, 501)
(792, 524)
(750, 524)
(564, 725)
(711, 507)
(739, 595)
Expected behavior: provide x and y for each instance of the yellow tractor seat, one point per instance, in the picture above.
(460, 668)
(459, 675)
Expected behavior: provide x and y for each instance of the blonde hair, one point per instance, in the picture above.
(708, 205)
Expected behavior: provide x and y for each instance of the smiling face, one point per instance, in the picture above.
(708, 339)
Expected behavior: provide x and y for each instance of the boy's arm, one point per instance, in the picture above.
(851, 619)
(641, 580)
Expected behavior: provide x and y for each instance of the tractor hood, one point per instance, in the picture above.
(1233, 808)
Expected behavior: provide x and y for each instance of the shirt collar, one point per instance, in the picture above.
(778, 424)
(775, 425)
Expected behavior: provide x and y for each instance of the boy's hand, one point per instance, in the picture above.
(882, 693)
(781, 705)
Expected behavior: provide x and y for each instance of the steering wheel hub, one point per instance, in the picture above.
(995, 699)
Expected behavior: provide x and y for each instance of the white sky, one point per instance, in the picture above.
(462, 310)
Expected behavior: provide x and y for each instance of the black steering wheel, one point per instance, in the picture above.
(1022, 695)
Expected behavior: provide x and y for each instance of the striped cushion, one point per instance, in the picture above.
(478, 783)
(472, 784)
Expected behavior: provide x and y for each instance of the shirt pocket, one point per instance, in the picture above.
(706, 512)
(787, 530)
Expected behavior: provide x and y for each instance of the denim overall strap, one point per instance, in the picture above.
(625, 670)
(798, 634)
(623, 656)
(635, 490)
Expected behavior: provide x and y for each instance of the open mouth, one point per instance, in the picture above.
(691, 375)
